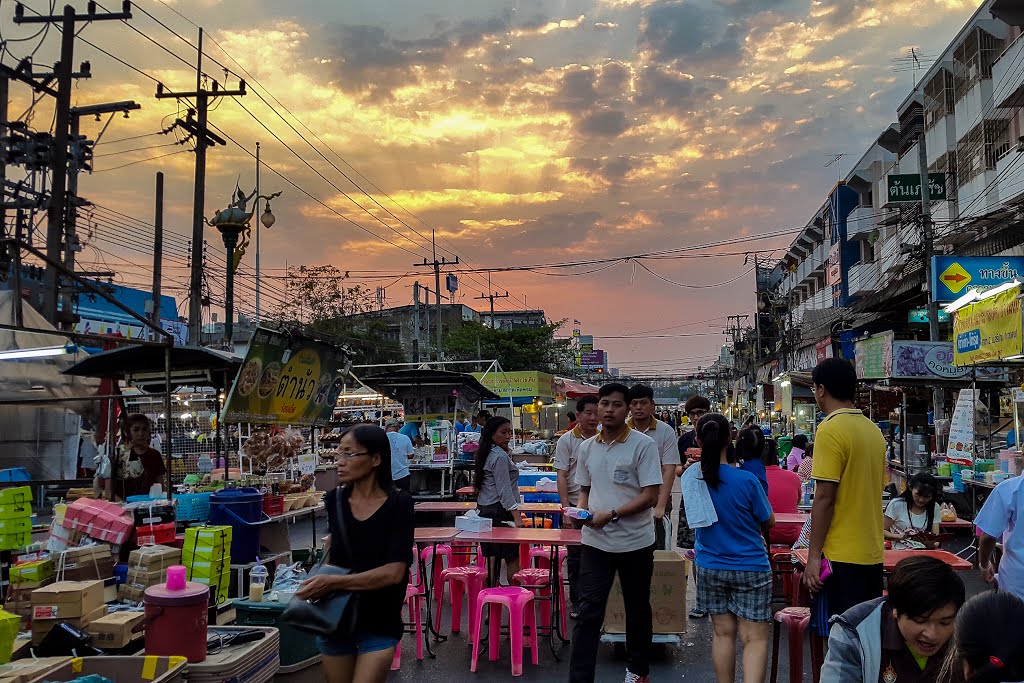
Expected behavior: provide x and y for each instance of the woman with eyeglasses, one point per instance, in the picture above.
(376, 545)
(496, 480)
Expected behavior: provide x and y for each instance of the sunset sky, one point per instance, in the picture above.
(524, 132)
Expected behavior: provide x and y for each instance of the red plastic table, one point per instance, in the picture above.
(553, 538)
(957, 524)
(893, 557)
(791, 517)
(469, 490)
(465, 506)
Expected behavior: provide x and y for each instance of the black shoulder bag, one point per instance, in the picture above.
(335, 612)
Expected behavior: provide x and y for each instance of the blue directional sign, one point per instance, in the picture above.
(953, 275)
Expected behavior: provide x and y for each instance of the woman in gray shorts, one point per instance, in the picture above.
(734, 579)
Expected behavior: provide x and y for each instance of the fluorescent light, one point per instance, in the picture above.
(40, 352)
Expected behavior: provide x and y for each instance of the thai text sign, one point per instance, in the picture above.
(872, 357)
(951, 275)
(960, 450)
(907, 187)
(520, 384)
(286, 379)
(988, 330)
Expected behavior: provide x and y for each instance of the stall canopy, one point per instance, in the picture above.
(428, 394)
(144, 366)
(573, 390)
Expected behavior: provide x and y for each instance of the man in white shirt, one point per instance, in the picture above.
(566, 456)
(997, 522)
(641, 418)
(619, 473)
(401, 450)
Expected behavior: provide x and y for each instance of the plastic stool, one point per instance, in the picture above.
(542, 555)
(470, 580)
(461, 553)
(414, 600)
(431, 553)
(519, 601)
(796, 620)
(782, 573)
(539, 580)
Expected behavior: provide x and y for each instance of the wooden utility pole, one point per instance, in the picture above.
(158, 247)
(491, 297)
(437, 265)
(203, 139)
(57, 209)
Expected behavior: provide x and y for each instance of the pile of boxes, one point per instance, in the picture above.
(104, 521)
(78, 603)
(207, 555)
(86, 563)
(114, 631)
(154, 521)
(147, 566)
(15, 517)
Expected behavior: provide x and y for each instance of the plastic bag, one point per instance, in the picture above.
(288, 577)
(103, 467)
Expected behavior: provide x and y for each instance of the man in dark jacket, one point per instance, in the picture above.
(902, 638)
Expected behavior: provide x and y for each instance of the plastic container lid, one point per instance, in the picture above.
(193, 594)
(243, 495)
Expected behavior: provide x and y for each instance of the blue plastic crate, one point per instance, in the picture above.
(193, 507)
(540, 498)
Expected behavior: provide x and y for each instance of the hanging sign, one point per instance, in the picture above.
(961, 429)
(988, 330)
(307, 463)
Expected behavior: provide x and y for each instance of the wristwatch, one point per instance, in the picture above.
(615, 515)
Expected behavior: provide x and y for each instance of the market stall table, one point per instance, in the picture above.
(552, 538)
(791, 517)
(466, 506)
(471, 491)
(432, 536)
(893, 557)
(956, 524)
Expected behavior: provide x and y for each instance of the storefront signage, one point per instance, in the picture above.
(917, 360)
(521, 384)
(592, 360)
(872, 357)
(960, 450)
(988, 330)
(823, 349)
(906, 187)
(286, 379)
(920, 315)
(951, 275)
(834, 273)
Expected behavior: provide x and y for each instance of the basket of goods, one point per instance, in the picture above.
(271, 448)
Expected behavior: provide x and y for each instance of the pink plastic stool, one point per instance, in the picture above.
(462, 552)
(539, 581)
(414, 600)
(470, 580)
(431, 553)
(518, 600)
(542, 555)
(796, 620)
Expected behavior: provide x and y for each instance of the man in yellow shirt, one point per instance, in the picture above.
(846, 518)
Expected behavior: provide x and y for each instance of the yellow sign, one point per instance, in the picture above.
(520, 384)
(955, 278)
(988, 330)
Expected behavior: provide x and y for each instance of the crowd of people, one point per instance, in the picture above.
(620, 462)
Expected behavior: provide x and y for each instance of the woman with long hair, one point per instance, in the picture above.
(750, 451)
(375, 543)
(496, 480)
(988, 643)
(734, 578)
(913, 512)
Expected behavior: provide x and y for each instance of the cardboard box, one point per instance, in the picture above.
(668, 596)
(199, 537)
(473, 523)
(89, 570)
(40, 627)
(154, 557)
(146, 578)
(131, 592)
(114, 631)
(67, 599)
(35, 571)
(156, 533)
(25, 670)
(27, 586)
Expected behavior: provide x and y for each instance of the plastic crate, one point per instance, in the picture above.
(540, 498)
(296, 646)
(193, 507)
(273, 505)
(156, 534)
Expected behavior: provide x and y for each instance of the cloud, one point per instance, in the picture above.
(685, 31)
(605, 26)
(606, 123)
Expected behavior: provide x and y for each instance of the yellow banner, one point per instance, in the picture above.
(989, 330)
(520, 384)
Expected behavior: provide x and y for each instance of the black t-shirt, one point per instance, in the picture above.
(386, 537)
(687, 441)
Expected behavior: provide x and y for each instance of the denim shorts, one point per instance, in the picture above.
(353, 645)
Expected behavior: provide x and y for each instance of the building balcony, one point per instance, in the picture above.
(1008, 77)
(862, 221)
(1010, 171)
(863, 278)
(979, 195)
(973, 107)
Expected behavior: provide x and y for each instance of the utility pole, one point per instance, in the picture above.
(437, 265)
(158, 246)
(427, 291)
(255, 208)
(203, 139)
(927, 240)
(416, 322)
(4, 130)
(491, 297)
(57, 209)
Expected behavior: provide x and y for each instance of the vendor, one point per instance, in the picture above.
(915, 510)
(139, 466)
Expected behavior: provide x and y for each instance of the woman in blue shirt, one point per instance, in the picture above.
(750, 450)
(734, 578)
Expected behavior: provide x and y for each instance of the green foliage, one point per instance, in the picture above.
(533, 348)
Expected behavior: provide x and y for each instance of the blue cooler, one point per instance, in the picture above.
(531, 478)
(241, 509)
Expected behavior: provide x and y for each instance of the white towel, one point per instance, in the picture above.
(700, 509)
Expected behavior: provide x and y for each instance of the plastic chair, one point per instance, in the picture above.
(519, 601)
(430, 553)
(414, 600)
(469, 579)
(782, 574)
(539, 581)
(795, 620)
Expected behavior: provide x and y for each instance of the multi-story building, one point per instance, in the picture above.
(514, 320)
(405, 325)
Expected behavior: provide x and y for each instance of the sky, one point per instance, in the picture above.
(524, 133)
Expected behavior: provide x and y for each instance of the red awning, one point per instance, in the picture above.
(572, 389)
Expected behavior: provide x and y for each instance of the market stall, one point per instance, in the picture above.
(434, 399)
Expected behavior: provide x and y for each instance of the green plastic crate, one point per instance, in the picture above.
(296, 646)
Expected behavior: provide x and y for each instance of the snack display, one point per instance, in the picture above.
(271, 448)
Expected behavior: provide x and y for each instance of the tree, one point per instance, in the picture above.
(319, 299)
(529, 348)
